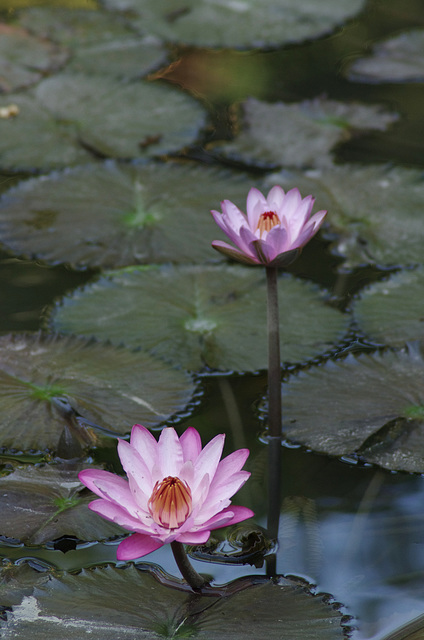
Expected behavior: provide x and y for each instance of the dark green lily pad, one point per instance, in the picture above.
(371, 405)
(18, 580)
(202, 316)
(238, 23)
(301, 134)
(46, 382)
(39, 504)
(399, 59)
(119, 119)
(110, 216)
(413, 630)
(375, 210)
(392, 312)
(24, 58)
(115, 604)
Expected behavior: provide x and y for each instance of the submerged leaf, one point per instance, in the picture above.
(202, 316)
(250, 607)
(300, 134)
(48, 382)
(371, 405)
(110, 216)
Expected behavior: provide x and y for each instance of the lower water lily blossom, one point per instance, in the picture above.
(176, 491)
(274, 230)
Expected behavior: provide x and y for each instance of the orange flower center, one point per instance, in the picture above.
(170, 503)
(267, 220)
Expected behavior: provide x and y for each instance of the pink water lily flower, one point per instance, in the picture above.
(274, 230)
(175, 489)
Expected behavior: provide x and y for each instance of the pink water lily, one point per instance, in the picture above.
(176, 491)
(274, 230)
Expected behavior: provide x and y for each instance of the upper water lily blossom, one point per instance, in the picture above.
(176, 491)
(274, 230)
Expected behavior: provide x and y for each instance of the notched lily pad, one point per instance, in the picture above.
(376, 211)
(111, 216)
(39, 504)
(250, 607)
(202, 316)
(399, 59)
(238, 23)
(392, 311)
(47, 383)
(371, 405)
(24, 58)
(301, 134)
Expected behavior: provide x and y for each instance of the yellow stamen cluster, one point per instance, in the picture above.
(170, 503)
(267, 221)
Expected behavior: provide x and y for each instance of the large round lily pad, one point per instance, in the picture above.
(371, 405)
(301, 134)
(392, 311)
(110, 216)
(202, 316)
(375, 210)
(238, 23)
(46, 382)
(399, 59)
(39, 504)
(115, 604)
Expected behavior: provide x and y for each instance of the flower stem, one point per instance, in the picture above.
(274, 363)
(191, 576)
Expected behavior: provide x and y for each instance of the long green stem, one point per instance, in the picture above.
(191, 576)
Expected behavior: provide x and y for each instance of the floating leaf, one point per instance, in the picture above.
(18, 580)
(238, 23)
(371, 405)
(392, 312)
(375, 210)
(39, 504)
(413, 630)
(112, 603)
(46, 382)
(202, 316)
(399, 59)
(111, 216)
(24, 58)
(299, 135)
(120, 119)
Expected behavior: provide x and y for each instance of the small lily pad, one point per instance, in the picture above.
(238, 23)
(110, 216)
(250, 607)
(47, 382)
(202, 316)
(376, 211)
(399, 59)
(24, 58)
(299, 135)
(40, 504)
(392, 311)
(370, 405)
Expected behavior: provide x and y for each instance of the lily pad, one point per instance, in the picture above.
(301, 134)
(202, 316)
(399, 59)
(376, 211)
(412, 630)
(24, 58)
(39, 504)
(370, 405)
(238, 23)
(110, 216)
(119, 119)
(392, 312)
(114, 604)
(18, 580)
(47, 382)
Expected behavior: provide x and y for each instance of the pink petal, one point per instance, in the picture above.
(191, 444)
(135, 466)
(231, 252)
(263, 251)
(136, 546)
(170, 453)
(208, 459)
(224, 489)
(278, 241)
(290, 204)
(115, 513)
(144, 443)
(275, 198)
(194, 537)
(109, 486)
(231, 464)
(227, 517)
(256, 205)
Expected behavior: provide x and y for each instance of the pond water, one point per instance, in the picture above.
(353, 529)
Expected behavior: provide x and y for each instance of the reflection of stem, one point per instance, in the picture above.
(274, 413)
(191, 576)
